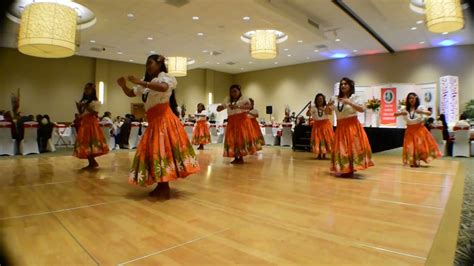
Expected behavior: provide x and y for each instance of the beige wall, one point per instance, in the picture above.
(218, 83)
(296, 85)
(48, 86)
(52, 85)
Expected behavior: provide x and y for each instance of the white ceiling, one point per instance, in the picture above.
(174, 32)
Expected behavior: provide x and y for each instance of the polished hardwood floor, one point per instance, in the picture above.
(280, 207)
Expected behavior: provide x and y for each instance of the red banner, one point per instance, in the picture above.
(388, 106)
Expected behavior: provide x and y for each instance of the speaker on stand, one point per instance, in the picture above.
(269, 111)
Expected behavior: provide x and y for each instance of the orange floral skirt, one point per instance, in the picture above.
(164, 152)
(240, 139)
(90, 140)
(201, 135)
(419, 145)
(351, 149)
(322, 137)
(257, 131)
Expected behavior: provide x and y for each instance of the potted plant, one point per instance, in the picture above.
(469, 112)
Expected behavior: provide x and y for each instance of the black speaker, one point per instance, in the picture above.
(269, 110)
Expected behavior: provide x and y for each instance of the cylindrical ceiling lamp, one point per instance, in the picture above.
(444, 15)
(47, 30)
(263, 44)
(177, 66)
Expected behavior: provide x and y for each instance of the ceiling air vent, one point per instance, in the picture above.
(214, 53)
(177, 3)
(321, 46)
(231, 63)
(313, 23)
(97, 49)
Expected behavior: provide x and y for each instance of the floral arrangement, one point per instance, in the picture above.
(402, 103)
(373, 103)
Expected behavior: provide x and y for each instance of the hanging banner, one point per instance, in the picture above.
(449, 98)
(428, 98)
(388, 106)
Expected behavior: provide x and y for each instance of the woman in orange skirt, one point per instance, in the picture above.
(90, 140)
(418, 143)
(253, 115)
(322, 134)
(351, 148)
(240, 139)
(164, 153)
(201, 135)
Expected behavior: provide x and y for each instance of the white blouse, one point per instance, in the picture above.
(315, 115)
(242, 101)
(413, 118)
(253, 113)
(157, 97)
(345, 110)
(94, 105)
(202, 116)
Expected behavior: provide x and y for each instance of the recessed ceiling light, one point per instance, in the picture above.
(413, 28)
(300, 41)
(207, 62)
(307, 57)
(419, 22)
(246, 18)
(447, 43)
(195, 18)
(205, 51)
(445, 33)
(241, 68)
(288, 55)
(218, 63)
(200, 34)
(276, 63)
(119, 53)
(150, 38)
(152, 52)
(130, 15)
(422, 42)
(338, 55)
(286, 49)
(316, 51)
(355, 51)
(250, 62)
(131, 60)
(338, 40)
(92, 41)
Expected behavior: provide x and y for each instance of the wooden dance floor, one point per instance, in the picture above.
(280, 207)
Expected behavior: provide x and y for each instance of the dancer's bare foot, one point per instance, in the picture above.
(348, 175)
(88, 167)
(162, 191)
(238, 160)
(201, 147)
(155, 192)
(165, 192)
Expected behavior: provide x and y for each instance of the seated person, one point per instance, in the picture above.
(462, 123)
(45, 132)
(7, 117)
(429, 122)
